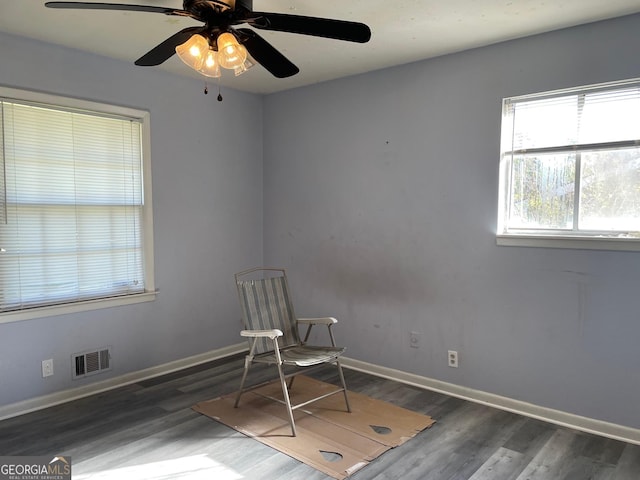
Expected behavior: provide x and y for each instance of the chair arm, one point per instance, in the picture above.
(262, 333)
(318, 321)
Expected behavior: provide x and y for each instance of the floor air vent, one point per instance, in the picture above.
(91, 362)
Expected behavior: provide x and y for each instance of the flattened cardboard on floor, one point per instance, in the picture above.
(329, 438)
(382, 421)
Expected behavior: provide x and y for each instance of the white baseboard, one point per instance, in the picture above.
(598, 427)
(585, 424)
(45, 401)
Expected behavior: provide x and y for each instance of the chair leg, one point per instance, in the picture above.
(285, 393)
(344, 385)
(247, 363)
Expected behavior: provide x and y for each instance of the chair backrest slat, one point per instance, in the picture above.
(266, 304)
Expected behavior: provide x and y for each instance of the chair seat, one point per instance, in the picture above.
(303, 356)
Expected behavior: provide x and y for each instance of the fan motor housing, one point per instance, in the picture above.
(200, 7)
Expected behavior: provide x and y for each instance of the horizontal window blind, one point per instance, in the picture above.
(583, 120)
(72, 200)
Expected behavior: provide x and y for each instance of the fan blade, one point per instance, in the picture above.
(166, 49)
(116, 6)
(318, 27)
(266, 55)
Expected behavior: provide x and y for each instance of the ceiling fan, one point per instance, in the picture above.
(220, 43)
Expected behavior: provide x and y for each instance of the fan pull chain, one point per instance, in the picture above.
(206, 90)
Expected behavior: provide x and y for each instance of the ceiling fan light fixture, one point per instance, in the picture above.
(220, 18)
(230, 53)
(193, 51)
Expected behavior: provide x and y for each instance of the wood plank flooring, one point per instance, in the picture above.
(148, 431)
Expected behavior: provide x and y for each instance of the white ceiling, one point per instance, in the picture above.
(403, 31)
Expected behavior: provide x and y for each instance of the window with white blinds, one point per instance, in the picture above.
(72, 206)
(570, 165)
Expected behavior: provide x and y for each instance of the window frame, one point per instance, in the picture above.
(147, 211)
(556, 238)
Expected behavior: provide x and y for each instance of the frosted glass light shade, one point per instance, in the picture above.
(193, 51)
(210, 66)
(231, 54)
(243, 67)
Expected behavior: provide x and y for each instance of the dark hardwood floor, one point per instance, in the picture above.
(148, 431)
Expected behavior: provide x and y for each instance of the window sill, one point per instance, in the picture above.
(76, 307)
(579, 243)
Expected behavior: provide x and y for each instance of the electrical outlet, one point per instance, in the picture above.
(47, 368)
(414, 339)
(453, 358)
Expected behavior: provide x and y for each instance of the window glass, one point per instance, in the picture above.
(610, 193)
(543, 191)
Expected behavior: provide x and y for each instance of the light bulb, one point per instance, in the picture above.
(230, 53)
(193, 51)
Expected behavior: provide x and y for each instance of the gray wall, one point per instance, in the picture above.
(381, 198)
(207, 201)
